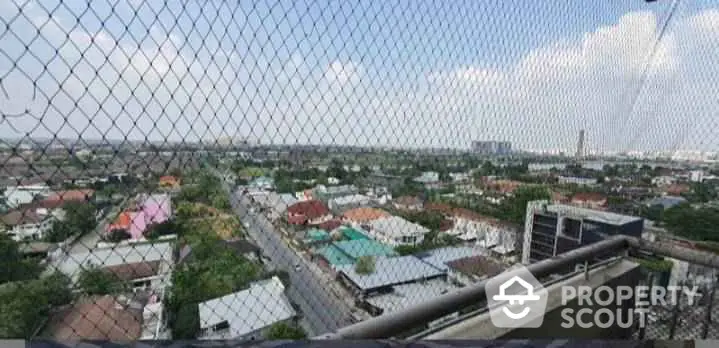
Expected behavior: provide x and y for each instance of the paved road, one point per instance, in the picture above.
(323, 312)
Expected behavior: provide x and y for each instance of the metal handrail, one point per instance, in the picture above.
(391, 324)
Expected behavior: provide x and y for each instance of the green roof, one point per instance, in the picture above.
(317, 234)
(364, 247)
(347, 252)
(335, 256)
(352, 234)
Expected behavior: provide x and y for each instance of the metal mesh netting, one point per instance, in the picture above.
(278, 169)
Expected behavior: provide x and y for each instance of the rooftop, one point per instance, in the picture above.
(96, 318)
(476, 266)
(246, 311)
(391, 271)
(395, 226)
(349, 199)
(407, 295)
(105, 257)
(595, 215)
(439, 258)
(310, 209)
(365, 214)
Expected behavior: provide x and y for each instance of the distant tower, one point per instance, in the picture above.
(580, 145)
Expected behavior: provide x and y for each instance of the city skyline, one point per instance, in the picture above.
(534, 78)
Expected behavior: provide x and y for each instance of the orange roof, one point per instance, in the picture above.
(72, 195)
(365, 214)
(168, 179)
(122, 221)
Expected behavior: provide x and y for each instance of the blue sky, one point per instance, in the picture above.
(398, 73)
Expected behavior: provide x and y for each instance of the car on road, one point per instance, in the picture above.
(297, 267)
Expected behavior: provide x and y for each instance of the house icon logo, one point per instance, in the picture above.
(516, 299)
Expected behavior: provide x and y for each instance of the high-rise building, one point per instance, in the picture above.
(553, 229)
(492, 147)
(580, 145)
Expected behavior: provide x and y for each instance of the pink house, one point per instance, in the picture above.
(152, 209)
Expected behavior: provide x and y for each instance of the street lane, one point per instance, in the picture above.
(323, 312)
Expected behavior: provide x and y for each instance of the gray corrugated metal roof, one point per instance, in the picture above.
(438, 258)
(596, 215)
(390, 271)
(105, 257)
(262, 305)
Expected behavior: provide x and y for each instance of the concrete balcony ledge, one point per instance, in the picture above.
(612, 274)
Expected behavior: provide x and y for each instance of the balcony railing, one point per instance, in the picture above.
(664, 323)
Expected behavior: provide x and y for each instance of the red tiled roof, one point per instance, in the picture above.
(310, 209)
(72, 195)
(364, 214)
(589, 196)
(97, 318)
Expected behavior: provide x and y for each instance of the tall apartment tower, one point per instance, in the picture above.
(580, 145)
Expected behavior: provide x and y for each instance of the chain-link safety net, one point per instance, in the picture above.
(283, 169)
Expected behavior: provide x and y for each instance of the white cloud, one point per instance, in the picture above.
(164, 87)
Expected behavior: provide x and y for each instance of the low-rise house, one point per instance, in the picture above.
(275, 204)
(262, 183)
(58, 198)
(591, 200)
(246, 314)
(409, 203)
(326, 193)
(152, 209)
(148, 265)
(363, 215)
(348, 202)
(396, 231)
(109, 318)
(28, 224)
(311, 212)
(472, 269)
(97, 318)
(24, 194)
(576, 180)
(664, 180)
(430, 180)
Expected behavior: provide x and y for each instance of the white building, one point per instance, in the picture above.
(29, 224)
(146, 267)
(353, 201)
(696, 176)
(395, 231)
(245, 314)
(24, 194)
(576, 180)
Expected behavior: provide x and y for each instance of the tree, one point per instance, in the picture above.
(61, 230)
(365, 265)
(81, 216)
(12, 263)
(185, 323)
(24, 304)
(95, 281)
(514, 208)
(284, 331)
(117, 235)
(157, 230)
